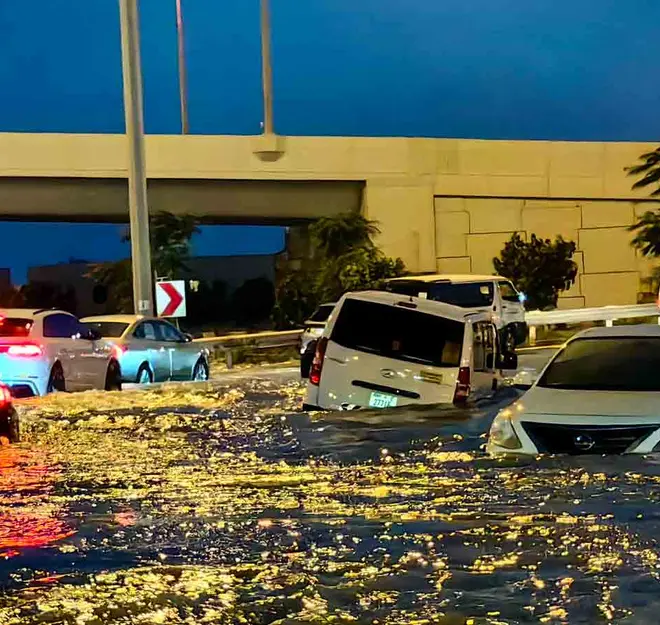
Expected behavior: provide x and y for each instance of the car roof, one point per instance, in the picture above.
(441, 309)
(26, 313)
(115, 318)
(438, 277)
(623, 331)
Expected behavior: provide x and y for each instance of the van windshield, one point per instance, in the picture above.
(465, 294)
(399, 333)
(462, 294)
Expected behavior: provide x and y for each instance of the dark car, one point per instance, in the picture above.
(8, 416)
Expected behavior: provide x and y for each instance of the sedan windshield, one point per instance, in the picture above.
(107, 329)
(606, 364)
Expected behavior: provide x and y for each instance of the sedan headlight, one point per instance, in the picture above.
(502, 433)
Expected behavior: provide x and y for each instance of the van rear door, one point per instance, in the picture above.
(385, 354)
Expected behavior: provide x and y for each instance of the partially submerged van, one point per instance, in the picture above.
(381, 350)
(475, 293)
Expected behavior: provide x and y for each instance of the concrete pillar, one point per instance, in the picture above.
(404, 211)
(298, 245)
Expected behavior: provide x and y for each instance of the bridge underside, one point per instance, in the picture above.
(213, 201)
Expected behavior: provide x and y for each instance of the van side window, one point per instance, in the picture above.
(485, 342)
(508, 292)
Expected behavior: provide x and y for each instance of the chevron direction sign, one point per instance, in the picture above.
(171, 298)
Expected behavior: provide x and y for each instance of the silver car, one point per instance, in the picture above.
(315, 325)
(151, 350)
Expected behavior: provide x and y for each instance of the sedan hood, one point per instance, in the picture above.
(546, 401)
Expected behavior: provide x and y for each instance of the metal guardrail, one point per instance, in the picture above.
(580, 315)
(270, 340)
(227, 344)
(608, 314)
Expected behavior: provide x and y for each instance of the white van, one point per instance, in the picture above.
(381, 350)
(475, 293)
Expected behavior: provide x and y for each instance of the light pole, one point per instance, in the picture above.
(266, 68)
(183, 74)
(137, 176)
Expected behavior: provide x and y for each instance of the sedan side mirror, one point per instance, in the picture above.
(187, 338)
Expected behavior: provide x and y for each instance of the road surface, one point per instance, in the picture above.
(224, 503)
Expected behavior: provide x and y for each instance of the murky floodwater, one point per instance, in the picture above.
(227, 506)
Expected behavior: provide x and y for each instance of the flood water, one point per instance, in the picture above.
(228, 505)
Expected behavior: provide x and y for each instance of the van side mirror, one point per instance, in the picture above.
(507, 362)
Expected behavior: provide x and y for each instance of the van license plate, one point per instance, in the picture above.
(381, 400)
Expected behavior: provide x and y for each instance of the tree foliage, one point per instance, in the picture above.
(37, 294)
(117, 278)
(540, 268)
(648, 171)
(345, 259)
(647, 234)
(170, 237)
(253, 301)
(334, 237)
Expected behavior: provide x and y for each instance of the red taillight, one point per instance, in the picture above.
(317, 364)
(462, 386)
(5, 396)
(23, 350)
(118, 351)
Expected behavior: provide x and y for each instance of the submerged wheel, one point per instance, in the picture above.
(201, 371)
(113, 377)
(14, 433)
(144, 375)
(56, 381)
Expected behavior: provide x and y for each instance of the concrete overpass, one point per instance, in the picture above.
(442, 203)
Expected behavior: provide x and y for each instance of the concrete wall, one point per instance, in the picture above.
(471, 231)
(441, 203)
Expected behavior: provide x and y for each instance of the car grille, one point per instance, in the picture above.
(577, 439)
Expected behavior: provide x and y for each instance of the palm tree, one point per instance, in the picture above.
(647, 234)
(649, 170)
(335, 236)
(647, 228)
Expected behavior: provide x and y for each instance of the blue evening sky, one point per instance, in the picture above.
(518, 69)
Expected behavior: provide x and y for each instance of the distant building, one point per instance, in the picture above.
(232, 270)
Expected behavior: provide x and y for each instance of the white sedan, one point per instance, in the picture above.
(600, 394)
(45, 351)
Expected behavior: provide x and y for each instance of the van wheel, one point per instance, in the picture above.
(56, 381)
(201, 371)
(144, 375)
(113, 377)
